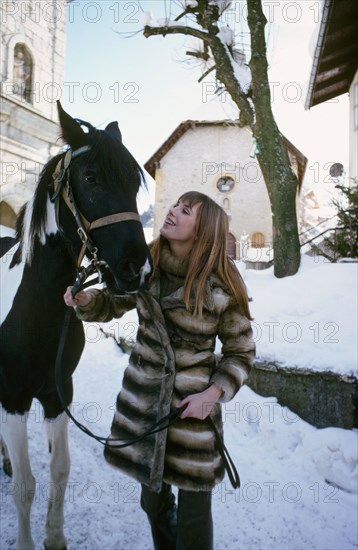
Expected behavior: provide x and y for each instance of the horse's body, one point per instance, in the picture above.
(104, 180)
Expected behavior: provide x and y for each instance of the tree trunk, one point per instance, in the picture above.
(281, 182)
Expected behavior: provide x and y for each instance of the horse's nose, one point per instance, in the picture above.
(128, 272)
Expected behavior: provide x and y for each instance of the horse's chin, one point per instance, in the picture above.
(122, 289)
(118, 286)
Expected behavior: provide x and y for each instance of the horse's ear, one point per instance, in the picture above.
(72, 132)
(113, 128)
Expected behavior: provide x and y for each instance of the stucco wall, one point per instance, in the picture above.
(197, 161)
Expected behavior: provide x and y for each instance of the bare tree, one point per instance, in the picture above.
(254, 103)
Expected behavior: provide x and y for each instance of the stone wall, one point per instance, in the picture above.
(41, 28)
(321, 398)
(29, 124)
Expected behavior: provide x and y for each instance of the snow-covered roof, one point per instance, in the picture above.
(183, 127)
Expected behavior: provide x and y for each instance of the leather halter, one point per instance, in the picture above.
(62, 188)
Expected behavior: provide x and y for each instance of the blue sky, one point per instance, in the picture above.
(115, 74)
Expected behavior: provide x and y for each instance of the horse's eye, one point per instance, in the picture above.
(90, 178)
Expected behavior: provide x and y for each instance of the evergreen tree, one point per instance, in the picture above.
(342, 242)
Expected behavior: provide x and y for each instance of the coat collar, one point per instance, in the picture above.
(172, 265)
(176, 299)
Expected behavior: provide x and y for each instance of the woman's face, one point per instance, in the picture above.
(180, 223)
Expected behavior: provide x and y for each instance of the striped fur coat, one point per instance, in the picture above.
(172, 358)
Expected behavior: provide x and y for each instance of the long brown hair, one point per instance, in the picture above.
(208, 254)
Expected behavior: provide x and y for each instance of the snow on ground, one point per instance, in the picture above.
(298, 483)
(309, 320)
(6, 231)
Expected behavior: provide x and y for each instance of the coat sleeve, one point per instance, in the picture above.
(104, 306)
(238, 353)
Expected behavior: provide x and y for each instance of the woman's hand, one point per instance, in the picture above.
(82, 298)
(200, 405)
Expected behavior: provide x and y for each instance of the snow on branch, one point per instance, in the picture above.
(189, 4)
(193, 4)
(226, 35)
(146, 18)
(221, 4)
(237, 58)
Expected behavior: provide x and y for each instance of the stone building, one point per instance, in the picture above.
(218, 159)
(32, 74)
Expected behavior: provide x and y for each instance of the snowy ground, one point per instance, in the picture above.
(309, 320)
(299, 484)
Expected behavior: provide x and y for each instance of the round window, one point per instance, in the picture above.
(225, 184)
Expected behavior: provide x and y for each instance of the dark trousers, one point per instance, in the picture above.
(188, 526)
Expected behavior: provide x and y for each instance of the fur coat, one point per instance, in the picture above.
(172, 358)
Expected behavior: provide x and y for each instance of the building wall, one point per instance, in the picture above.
(198, 160)
(29, 127)
(353, 129)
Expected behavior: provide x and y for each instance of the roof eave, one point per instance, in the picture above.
(318, 51)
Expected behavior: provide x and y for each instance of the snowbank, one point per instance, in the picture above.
(6, 231)
(308, 320)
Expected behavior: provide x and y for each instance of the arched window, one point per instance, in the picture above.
(226, 203)
(22, 72)
(258, 240)
(231, 246)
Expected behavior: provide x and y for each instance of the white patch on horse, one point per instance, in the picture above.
(26, 252)
(51, 224)
(50, 229)
(13, 428)
(144, 270)
(10, 279)
(60, 468)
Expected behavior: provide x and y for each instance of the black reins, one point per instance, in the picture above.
(62, 189)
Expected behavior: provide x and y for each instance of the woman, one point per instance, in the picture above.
(194, 295)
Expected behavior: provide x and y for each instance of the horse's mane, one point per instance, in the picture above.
(32, 218)
(111, 157)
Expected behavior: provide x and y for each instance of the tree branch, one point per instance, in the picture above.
(322, 233)
(199, 55)
(177, 29)
(206, 73)
(180, 16)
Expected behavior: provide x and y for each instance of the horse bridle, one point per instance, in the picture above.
(62, 188)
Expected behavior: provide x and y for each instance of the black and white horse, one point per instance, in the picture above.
(85, 202)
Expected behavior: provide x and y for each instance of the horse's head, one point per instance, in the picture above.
(104, 180)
